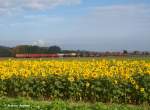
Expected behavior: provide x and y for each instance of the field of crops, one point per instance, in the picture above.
(104, 80)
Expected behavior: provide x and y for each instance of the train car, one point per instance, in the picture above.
(21, 56)
(52, 56)
(37, 56)
(69, 55)
(59, 55)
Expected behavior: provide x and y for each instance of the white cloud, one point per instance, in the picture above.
(40, 43)
(7, 6)
(44, 4)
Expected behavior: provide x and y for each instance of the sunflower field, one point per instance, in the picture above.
(105, 80)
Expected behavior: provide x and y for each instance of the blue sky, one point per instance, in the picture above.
(101, 25)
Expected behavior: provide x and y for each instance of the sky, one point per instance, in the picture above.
(98, 25)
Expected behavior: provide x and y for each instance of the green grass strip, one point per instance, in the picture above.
(24, 104)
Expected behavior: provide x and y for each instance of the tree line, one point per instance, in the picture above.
(24, 49)
(33, 49)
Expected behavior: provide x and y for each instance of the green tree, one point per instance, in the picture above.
(54, 49)
(5, 51)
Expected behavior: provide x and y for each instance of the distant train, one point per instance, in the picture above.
(46, 55)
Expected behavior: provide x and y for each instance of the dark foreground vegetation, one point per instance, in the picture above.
(59, 87)
(24, 104)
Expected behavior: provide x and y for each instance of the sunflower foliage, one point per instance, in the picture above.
(109, 81)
